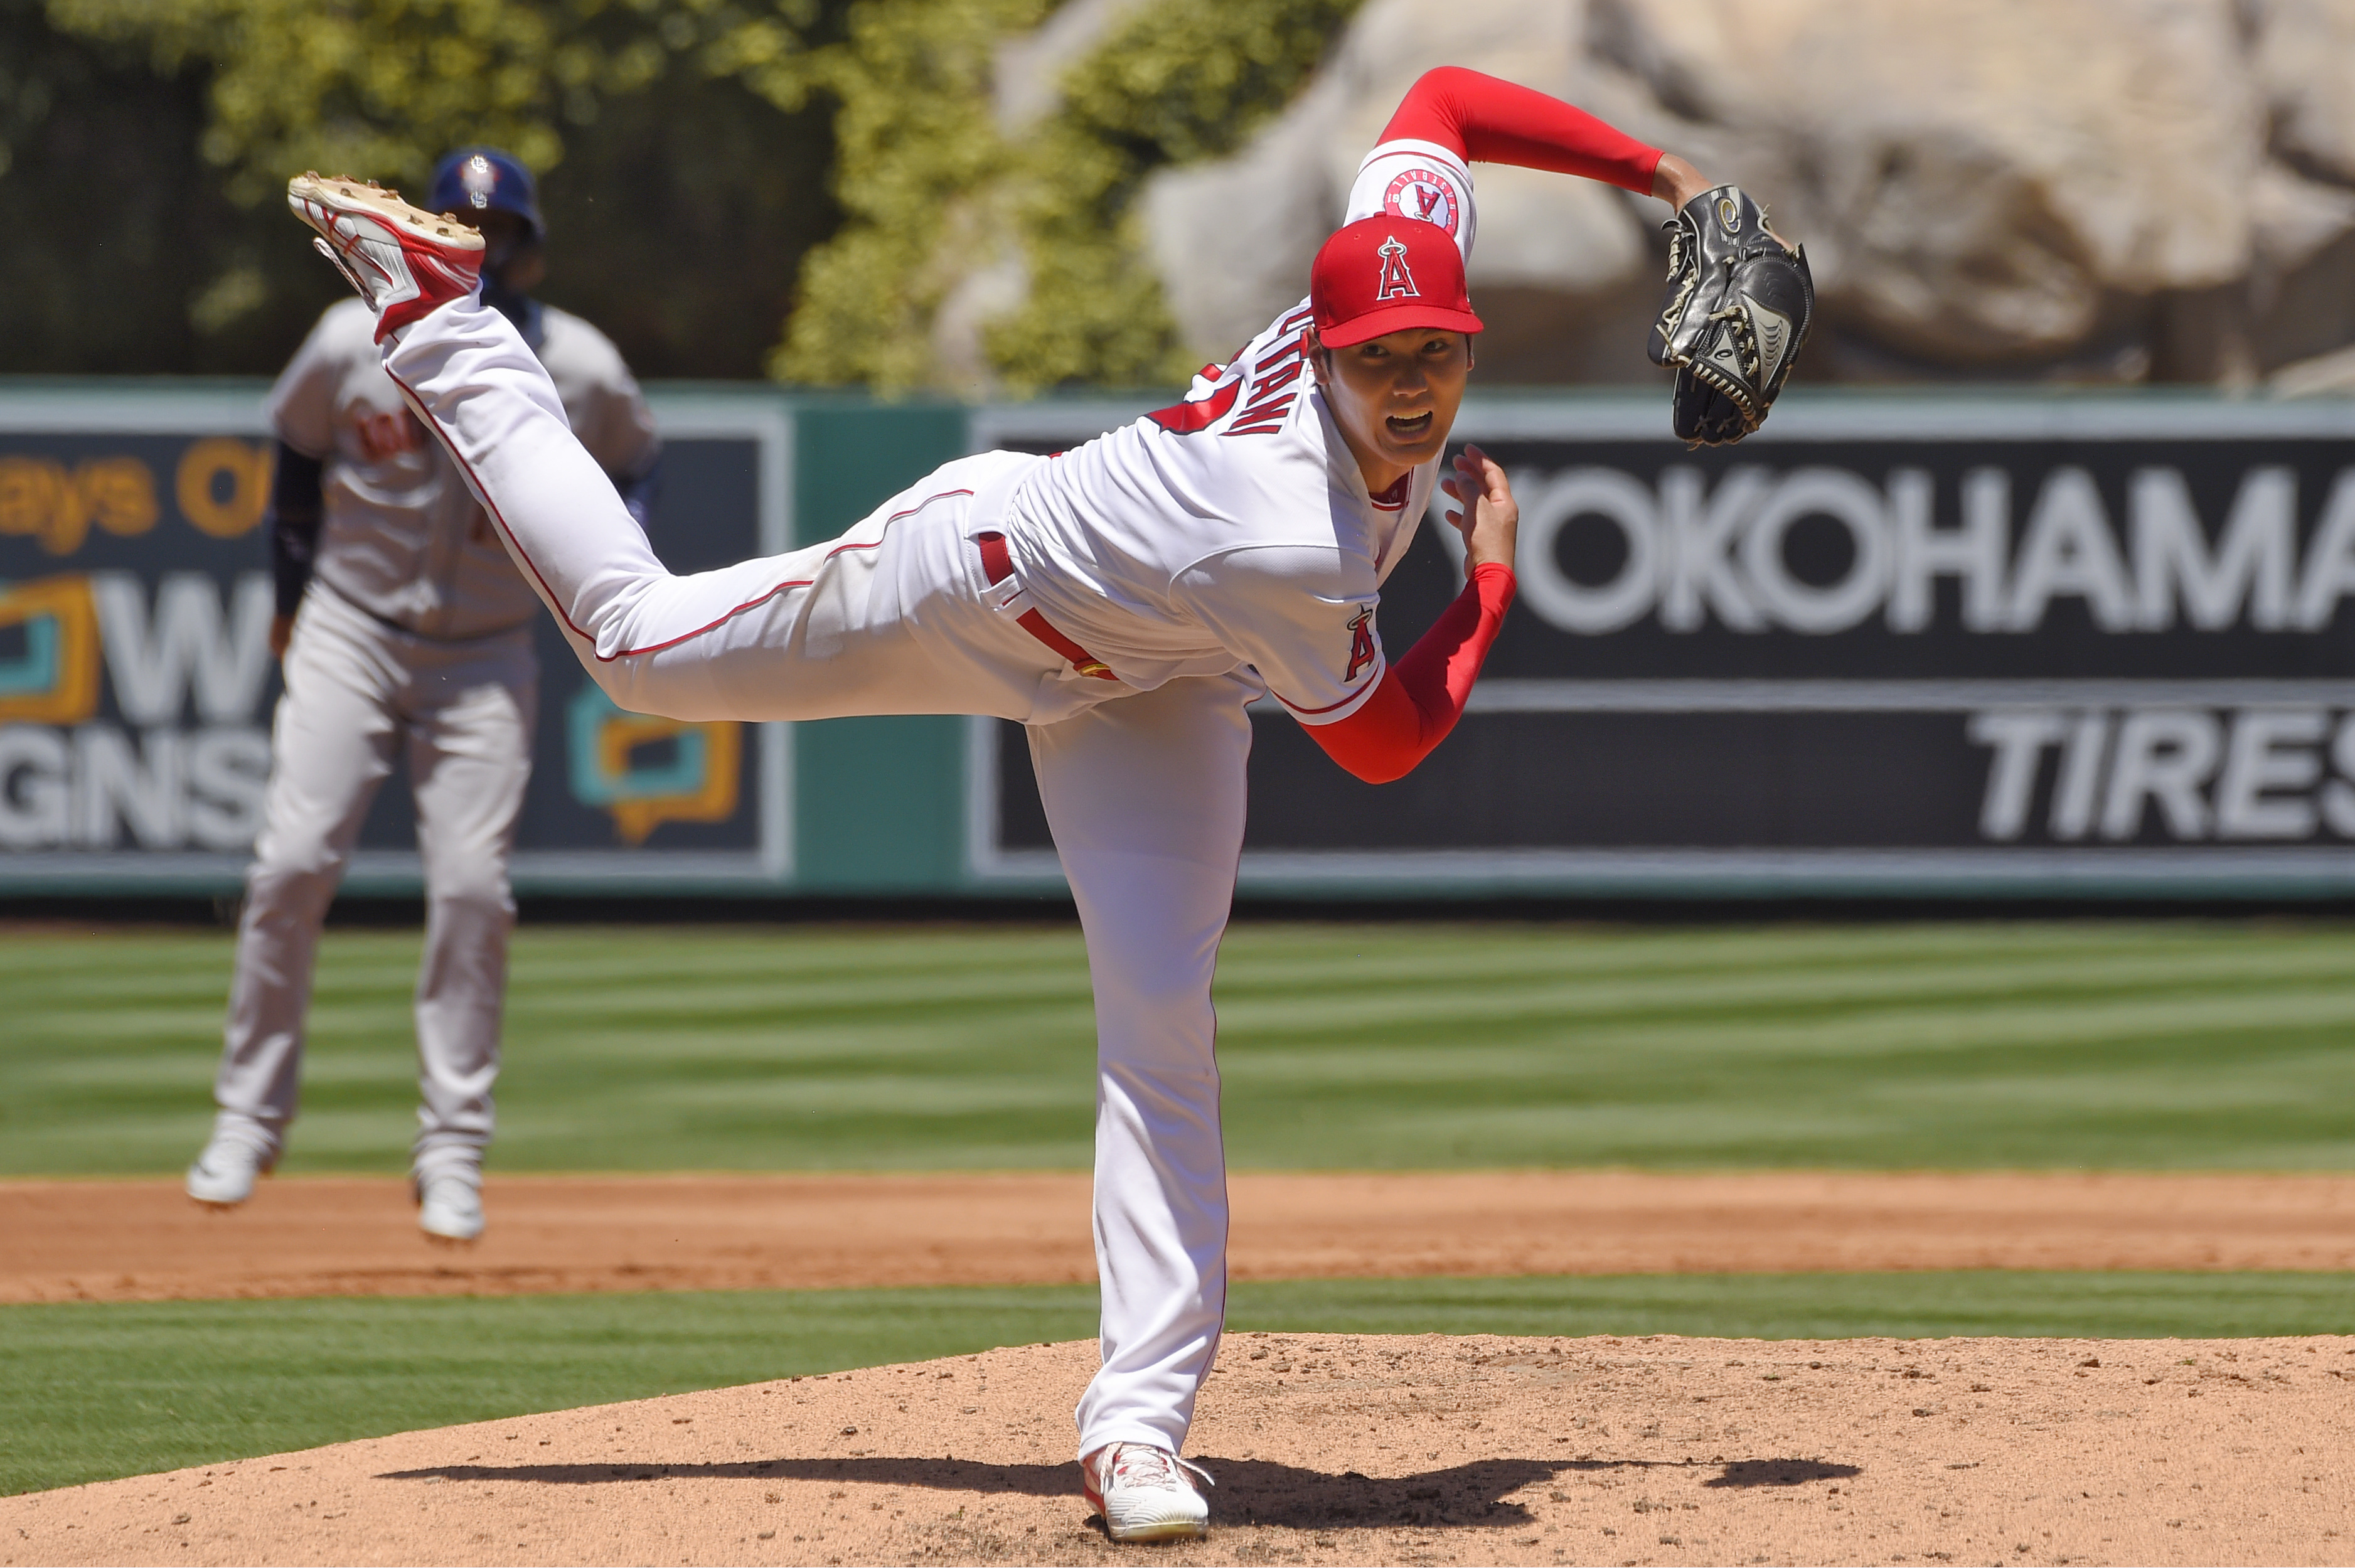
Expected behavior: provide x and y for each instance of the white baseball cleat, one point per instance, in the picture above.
(1145, 1493)
(449, 1206)
(405, 262)
(225, 1173)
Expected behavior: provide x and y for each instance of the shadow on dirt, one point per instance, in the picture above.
(1248, 1491)
(1780, 1473)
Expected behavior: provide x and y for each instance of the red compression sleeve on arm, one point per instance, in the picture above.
(1489, 121)
(1421, 696)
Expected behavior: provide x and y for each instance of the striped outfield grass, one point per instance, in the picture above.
(92, 1391)
(2112, 1044)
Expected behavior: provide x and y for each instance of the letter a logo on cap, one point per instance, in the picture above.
(1384, 275)
(1396, 281)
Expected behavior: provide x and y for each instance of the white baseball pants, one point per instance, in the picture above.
(1144, 790)
(358, 691)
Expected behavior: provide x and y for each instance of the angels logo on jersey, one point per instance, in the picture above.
(1361, 644)
(1396, 281)
(1424, 193)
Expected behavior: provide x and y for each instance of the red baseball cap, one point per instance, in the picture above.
(1386, 274)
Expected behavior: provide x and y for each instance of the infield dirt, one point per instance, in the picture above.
(133, 1240)
(1343, 1449)
(1326, 1448)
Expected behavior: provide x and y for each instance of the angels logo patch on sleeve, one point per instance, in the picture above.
(1362, 651)
(1424, 193)
(1418, 180)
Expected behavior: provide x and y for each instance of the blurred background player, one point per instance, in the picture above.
(404, 629)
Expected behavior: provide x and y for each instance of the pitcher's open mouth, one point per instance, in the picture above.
(1408, 429)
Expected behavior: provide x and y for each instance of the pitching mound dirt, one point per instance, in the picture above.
(131, 1241)
(1343, 1449)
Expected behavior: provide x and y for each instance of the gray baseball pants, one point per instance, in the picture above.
(357, 692)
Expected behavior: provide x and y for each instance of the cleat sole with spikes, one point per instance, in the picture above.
(404, 261)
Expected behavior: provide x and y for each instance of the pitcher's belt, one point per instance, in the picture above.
(999, 561)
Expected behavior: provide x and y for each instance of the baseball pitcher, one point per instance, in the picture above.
(1125, 601)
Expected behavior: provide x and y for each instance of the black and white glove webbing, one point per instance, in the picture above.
(1739, 304)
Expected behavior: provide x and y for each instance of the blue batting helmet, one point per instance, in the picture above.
(484, 179)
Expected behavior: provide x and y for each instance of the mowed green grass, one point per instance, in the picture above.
(2148, 1046)
(2108, 1044)
(157, 1386)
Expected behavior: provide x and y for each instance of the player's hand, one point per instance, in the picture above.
(1485, 513)
(1677, 182)
(281, 632)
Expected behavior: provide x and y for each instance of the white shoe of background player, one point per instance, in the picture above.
(405, 262)
(1145, 1493)
(224, 1174)
(450, 1206)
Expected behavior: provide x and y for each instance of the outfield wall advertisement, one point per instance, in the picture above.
(136, 686)
(1894, 644)
(1897, 645)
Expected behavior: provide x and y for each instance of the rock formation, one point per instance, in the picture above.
(2076, 191)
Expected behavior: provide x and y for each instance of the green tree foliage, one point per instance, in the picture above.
(383, 86)
(1184, 80)
(925, 176)
(123, 255)
(917, 159)
(683, 161)
(705, 163)
(679, 217)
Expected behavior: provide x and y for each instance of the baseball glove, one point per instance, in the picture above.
(1739, 305)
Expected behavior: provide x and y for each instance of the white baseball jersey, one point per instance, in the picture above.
(1235, 528)
(402, 538)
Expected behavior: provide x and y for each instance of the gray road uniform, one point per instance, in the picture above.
(413, 635)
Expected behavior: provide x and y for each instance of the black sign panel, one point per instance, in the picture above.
(136, 686)
(1912, 645)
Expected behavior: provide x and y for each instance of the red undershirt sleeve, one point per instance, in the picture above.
(1421, 696)
(1486, 120)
